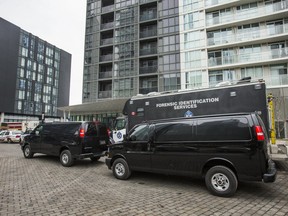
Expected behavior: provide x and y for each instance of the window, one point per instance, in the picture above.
(194, 79)
(220, 129)
(173, 132)
(253, 72)
(139, 133)
(91, 130)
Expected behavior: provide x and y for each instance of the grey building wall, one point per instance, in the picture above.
(9, 46)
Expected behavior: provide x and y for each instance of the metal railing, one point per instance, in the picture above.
(108, 57)
(107, 25)
(108, 8)
(104, 94)
(107, 41)
(150, 51)
(248, 57)
(246, 14)
(148, 33)
(248, 34)
(149, 69)
(148, 15)
(105, 75)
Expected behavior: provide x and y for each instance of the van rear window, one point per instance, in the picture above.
(223, 129)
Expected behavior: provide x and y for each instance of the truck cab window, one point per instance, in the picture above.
(139, 133)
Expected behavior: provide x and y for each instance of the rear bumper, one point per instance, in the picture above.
(271, 174)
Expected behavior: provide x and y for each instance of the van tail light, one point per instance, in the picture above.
(259, 133)
(82, 133)
(108, 131)
(17, 136)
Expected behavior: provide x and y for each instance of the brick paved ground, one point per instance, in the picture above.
(41, 186)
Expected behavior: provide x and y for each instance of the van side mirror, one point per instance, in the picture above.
(132, 138)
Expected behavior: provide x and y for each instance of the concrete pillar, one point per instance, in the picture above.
(2, 117)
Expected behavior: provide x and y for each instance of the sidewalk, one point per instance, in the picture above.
(279, 154)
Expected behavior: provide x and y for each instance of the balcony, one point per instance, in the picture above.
(107, 41)
(148, 15)
(108, 8)
(104, 94)
(246, 58)
(108, 57)
(218, 18)
(107, 25)
(105, 75)
(150, 51)
(147, 90)
(148, 33)
(209, 3)
(149, 69)
(248, 35)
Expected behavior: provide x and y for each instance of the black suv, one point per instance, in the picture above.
(69, 140)
(223, 149)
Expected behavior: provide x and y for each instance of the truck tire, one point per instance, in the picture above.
(66, 158)
(221, 181)
(121, 169)
(27, 151)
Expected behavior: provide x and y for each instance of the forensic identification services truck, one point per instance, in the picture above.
(246, 97)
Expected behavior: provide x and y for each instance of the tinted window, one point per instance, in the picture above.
(173, 132)
(91, 130)
(217, 129)
(102, 130)
(139, 133)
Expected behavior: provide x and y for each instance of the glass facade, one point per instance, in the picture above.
(142, 46)
(37, 77)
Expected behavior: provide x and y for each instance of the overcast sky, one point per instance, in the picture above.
(59, 22)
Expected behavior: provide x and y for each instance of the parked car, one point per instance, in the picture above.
(12, 136)
(27, 132)
(2, 135)
(223, 149)
(67, 140)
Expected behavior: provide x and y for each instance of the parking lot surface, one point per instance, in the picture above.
(42, 186)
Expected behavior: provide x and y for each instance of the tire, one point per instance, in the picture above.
(94, 159)
(66, 158)
(27, 151)
(9, 141)
(121, 169)
(221, 181)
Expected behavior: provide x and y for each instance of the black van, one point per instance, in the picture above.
(223, 149)
(69, 140)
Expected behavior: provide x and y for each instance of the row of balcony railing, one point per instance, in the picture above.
(230, 58)
(247, 34)
(262, 10)
(142, 70)
(142, 52)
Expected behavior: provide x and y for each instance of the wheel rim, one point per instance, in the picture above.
(27, 151)
(120, 169)
(65, 158)
(220, 182)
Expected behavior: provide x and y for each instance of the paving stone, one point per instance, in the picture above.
(42, 186)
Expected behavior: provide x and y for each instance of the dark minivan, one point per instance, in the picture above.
(69, 140)
(223, 149)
